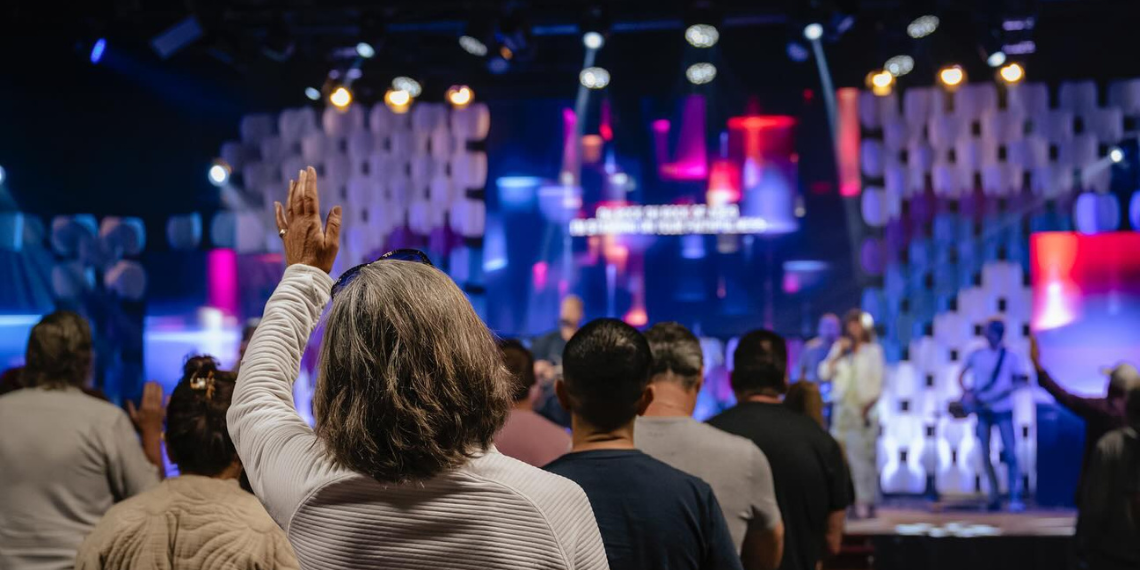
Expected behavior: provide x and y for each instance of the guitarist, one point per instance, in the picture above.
(996, 374)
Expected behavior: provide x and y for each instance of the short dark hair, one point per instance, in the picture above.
(59, 352)
(197, 438)
(760, 364)
(606, 368)
(520, 363)
(676, 352)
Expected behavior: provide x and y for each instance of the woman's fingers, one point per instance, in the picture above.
(280, 211)
(289, 203)
(312, 199)
(332, 228)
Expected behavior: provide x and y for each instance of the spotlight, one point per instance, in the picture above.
(593, 40)
(594, 78)
(996, 59)
(97, 50)
(880, 82)
(498, 65)
(219, 173)
(951, 76)
(702, 35)
(3, 175)
(365, 50)
(813, 31)
(460, 96)
(407, 84)
(700, 73)
(473, 46)
(899, 65)
(1116, 155)
(341, 97)
(922, 26)
(397, 100)
(1012, 73)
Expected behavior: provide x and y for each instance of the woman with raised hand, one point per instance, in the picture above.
(202, 519)
(400, 471)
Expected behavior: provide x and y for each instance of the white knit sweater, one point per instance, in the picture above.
(492, 513)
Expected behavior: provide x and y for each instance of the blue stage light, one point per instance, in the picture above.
(97, 50)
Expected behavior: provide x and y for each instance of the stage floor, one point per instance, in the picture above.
(957, 521)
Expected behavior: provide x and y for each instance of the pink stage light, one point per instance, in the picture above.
(636, 317)
(222, 281)
(605, 128)
(540, 273)
(847, 141)
(1057, 295)
(692, 157)
(724, 183)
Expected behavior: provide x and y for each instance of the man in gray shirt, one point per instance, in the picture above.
(733, 466)
(66, 457)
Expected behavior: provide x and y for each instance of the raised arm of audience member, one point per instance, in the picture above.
(1081, 406)
(148, 418)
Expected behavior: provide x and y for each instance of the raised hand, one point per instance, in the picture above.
(299, 223)
(151, 412)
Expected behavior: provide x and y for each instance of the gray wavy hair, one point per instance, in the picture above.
(410, 382)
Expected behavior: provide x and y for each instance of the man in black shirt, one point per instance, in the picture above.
(651, 516)
(807, 464)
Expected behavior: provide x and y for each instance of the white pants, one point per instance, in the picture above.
(859, 439)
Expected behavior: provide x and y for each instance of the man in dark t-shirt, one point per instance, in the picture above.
(807, 463)
(651, 516)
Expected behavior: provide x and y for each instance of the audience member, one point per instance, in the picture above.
(996, 374)
(1101, 415)
(651, 515)
(65, 457)
(807, 464)
(804, 398)
(527, 436)
(548, 359)
(411, 388)
(202, 519)
(855, 367)
(817, 349)
(1108, 524)
(735, 468)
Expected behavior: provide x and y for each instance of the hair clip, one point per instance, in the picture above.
(207, 384)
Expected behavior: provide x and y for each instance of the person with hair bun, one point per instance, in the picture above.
(202, 519)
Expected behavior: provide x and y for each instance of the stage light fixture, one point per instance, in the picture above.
(1116, 155)
(880, 82)
(702, 35)
(97, 50)
(365, 50)
(593, 40)
(219, 173)
(313, 93)
(594, 78)
(341, 97)
(813, 31)
(951, 76)
(1012, 73)
(408, 84)
(473, 46)
(700, 73)
(922, 26)
(996, 59)
(398, 100)
(899, 65)
(460, 96)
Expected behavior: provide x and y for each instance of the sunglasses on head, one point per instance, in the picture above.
(413, 255)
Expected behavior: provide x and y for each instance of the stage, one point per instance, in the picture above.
(959, 536)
